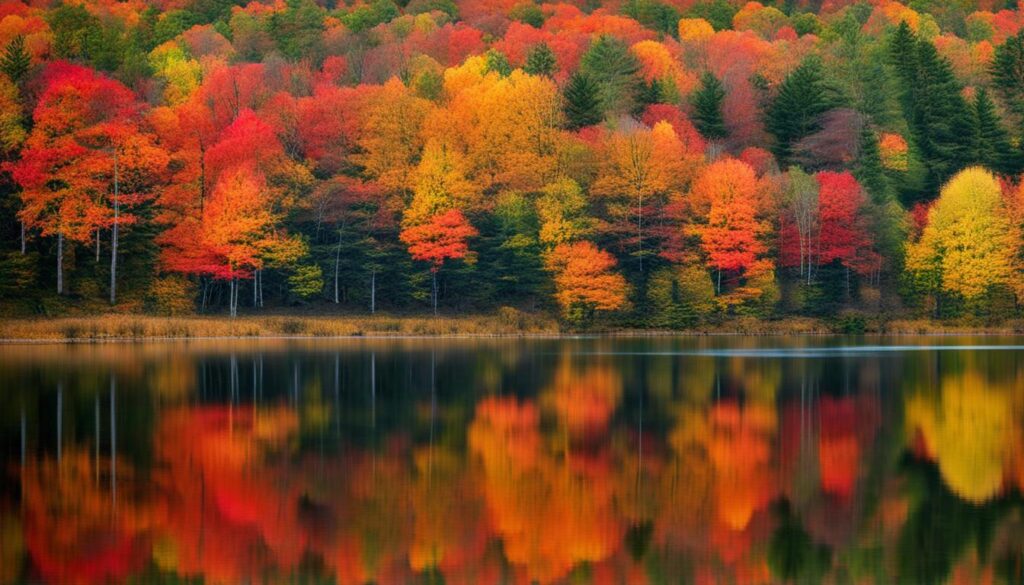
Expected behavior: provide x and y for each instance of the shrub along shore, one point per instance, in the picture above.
(505, 323)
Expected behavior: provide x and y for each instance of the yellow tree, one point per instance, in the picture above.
(640, 165)
(967, 245)
(508, 127)
(392, 139)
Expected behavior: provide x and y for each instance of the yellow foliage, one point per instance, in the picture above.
(967, 246)
(695, 29)
(967, 429)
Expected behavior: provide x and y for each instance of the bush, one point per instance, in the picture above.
(679, 296)
(172, 295)
(851, 324)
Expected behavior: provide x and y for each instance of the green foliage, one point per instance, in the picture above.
(306, 281)
(77, 34)
(1008, 74)
(869, 170)
(796, 111)
(938, 116)
(707, 107)
(498, 63)
(717, 12)
(296, 30)
(678, 296)
(806, 23)
(582, 101)
(528, 13)
(792, 555)
(992, 147)
(367, 16)
(15, 60)
(425, 6)
(615, 71)
(654, 15)
(541, 61)
(171, 24)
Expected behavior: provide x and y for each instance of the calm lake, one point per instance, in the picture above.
(591, 460)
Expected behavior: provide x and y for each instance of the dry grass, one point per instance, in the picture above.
(928, 327)
(119, 327)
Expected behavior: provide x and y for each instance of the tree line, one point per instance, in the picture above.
(651, 164)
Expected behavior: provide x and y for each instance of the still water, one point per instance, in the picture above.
(665, 460)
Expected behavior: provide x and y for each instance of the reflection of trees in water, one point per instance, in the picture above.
(390, 469)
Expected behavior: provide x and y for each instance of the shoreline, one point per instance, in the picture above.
(122, 328)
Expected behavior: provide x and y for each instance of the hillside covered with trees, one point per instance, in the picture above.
(657, 163)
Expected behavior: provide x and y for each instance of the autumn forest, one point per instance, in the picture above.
(639, 163)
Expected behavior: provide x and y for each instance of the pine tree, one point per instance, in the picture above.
(707, 107)
(992, 143)
(869, 170)
(937, 114)
(541, 61)
(15, 60)
(797, 108)
(1008, 74)
(614, 69)
(582, 102)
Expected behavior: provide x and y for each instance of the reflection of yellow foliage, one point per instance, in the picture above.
(551, 514)
(12, 547)
(173, 379)
(967, 430)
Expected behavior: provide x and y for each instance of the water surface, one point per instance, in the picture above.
(654, 460)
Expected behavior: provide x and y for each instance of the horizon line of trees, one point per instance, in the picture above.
(712, 172)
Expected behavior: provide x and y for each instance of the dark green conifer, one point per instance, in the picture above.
(582, 103)
(15, 60)
(707, 107)
(797, 108)
(541, 61)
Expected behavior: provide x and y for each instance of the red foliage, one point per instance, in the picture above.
(843, 231)
(442, 238)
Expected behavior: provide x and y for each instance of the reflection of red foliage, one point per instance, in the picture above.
(227, 510)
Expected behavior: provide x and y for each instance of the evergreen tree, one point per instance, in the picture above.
(869, 170)
(582, 102)
(797, 108)
(649, 94)
(615, 71)
(707, 107)
(15, 60)
(498, 62)
(541, 61)
(1008, 74)
(940, 120)
(992, 143)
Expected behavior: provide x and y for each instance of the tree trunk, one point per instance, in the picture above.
(373, 291)
(261, 288)
(22, 238)
(255, 289)
(97, 245)
(60, 263)
(433, 274)
(337, 265)
(113, 234)
(718, 285)
(639, 228)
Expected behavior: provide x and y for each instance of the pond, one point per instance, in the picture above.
(573, 460)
